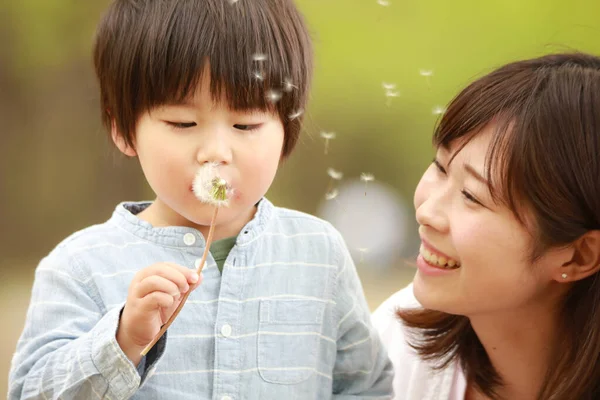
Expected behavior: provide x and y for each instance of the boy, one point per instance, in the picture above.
(279, 312)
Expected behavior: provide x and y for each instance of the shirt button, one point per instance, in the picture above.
(226, 398)
(226, 330)
(189, 239)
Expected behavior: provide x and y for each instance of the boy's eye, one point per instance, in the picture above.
(181, 125)
(246, 127)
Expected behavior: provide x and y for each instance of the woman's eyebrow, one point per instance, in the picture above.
(475, 174)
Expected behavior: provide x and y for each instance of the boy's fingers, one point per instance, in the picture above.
(156, 300)
(195, 285)
(156, 283)
(168, 272)
(190, 274)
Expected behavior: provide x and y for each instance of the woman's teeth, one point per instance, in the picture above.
(438, 261)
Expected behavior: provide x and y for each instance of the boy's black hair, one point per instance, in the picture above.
(149, 53)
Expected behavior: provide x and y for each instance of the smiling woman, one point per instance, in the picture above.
(509, 215)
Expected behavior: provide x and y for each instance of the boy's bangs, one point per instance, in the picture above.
(249, 68)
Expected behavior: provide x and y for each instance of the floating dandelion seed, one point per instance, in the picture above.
(335, 175)
(427, 73)
(273, 96)
(366, 178)
(327, 136)
(288, 86)
(384, 3)
(389, 95)
(438, 110)
(362, 251)
(295, 114)
(258, 75)
(259, 56)
(332, 194)
(390, 92)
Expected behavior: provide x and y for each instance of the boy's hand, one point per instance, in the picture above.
(154, 294)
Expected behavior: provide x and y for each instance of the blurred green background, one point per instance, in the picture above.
(58, 173)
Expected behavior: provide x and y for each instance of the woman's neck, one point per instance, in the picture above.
(520, 345)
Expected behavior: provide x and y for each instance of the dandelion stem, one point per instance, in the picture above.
(164, 328)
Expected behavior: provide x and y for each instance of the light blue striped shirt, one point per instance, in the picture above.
(287, 319)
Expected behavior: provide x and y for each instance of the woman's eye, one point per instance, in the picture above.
(470, 197)
(181, 125)
(439, 166)
(246, 127)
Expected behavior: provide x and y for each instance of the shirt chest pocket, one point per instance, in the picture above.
(289, 339)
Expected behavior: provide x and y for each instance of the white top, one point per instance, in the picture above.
(414, 378)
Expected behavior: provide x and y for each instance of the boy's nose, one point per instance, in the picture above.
(215, 149)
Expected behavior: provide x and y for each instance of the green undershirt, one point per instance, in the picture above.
(220, 250)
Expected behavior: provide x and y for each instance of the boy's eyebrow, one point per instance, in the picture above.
(475, 174)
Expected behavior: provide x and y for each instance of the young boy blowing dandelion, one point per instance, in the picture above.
(280, 312)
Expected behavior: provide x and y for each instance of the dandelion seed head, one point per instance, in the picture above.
(209, 187)
(363, 249)
(425, 72)
(328, 135)
(333, 174)
(366, 177)
(332, 194)
(388, 86)
(392, 93)
(384, 3)
(259, 56)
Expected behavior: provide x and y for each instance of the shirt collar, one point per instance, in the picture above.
(125, 217)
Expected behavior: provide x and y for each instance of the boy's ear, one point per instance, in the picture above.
(120, 142)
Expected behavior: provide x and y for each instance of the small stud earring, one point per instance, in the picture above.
(564, 276)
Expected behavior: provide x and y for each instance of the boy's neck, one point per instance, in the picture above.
(158, 214)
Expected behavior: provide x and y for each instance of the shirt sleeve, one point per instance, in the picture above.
(362, 368)
(68, 348)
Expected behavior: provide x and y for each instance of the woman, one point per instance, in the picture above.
(505, 303)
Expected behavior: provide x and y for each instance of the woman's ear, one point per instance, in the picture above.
(585, 260)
